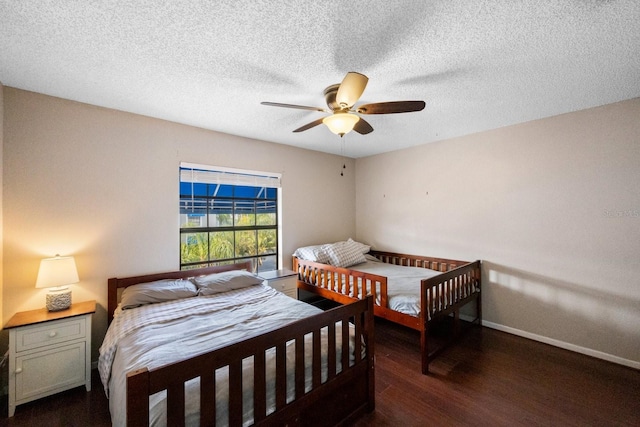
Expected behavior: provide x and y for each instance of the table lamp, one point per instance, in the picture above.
(57, 273)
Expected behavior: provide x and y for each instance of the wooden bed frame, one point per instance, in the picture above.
(349, 393)
(460, 281)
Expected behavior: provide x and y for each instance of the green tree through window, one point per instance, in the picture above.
(223, 223)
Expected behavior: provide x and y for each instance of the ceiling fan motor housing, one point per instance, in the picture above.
(330, 97)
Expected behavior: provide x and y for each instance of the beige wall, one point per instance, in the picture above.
(1, 187)
(552, 207)
(103, 185)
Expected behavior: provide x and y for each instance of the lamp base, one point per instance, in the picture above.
(58, 299)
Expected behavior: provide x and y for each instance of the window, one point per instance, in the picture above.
(227, 216)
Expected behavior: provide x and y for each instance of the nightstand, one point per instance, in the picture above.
(285, 281)
(49, 351)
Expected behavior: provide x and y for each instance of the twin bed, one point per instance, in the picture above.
(414, 291)
(215, 346)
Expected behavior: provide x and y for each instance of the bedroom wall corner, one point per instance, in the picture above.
(551, 206)
(4, 337)
(1, 197)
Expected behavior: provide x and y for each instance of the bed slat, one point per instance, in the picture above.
(316, 372)
(299, 373)
(235, 392)
(358, 325)
(331, 352)
(345, 341)
(175, 412)
(207, 400)
(281, 375)
(259, 387)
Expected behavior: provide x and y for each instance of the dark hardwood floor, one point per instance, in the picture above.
(489, 378)
(492, 378)
(71, 408)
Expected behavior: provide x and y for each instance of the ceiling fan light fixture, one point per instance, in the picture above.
(341, 123)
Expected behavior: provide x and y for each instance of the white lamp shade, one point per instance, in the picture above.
(341, 123)
(57, 271)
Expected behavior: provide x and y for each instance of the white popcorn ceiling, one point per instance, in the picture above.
(479, 65)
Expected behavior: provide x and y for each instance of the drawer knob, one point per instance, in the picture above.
(18, 370)
(52, 334)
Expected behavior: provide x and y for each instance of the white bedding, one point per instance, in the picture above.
(154, 335)
(403, 284)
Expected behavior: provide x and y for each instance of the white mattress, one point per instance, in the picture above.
(403, 284)
(157, 334)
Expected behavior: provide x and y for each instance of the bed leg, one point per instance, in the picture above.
(456, 323)
(479, 309)
(477, 275)
(370, 343)
(424, 347)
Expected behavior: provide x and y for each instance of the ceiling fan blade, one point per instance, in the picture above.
(351, 89)
(309, 125)
(299, 107)
(391, 107)
(362, 127)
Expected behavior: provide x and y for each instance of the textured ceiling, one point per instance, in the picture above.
(478, 64)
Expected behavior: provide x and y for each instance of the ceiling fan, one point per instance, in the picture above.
(341, 99)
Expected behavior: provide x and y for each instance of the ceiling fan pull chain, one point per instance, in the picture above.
(344, 165)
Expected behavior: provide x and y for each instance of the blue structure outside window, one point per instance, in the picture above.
(222, 223)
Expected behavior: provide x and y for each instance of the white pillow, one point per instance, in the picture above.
(344, 254)
(312, 253)
(363, 248)
(158, 291)
(226, 281)
(371, 258)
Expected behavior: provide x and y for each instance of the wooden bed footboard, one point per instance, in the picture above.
(450, 290)
(340, 284)
(348, 393)
(444, 295)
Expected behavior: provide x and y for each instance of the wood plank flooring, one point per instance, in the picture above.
(489, 378)
(492, 378)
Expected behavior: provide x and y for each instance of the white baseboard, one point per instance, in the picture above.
(567, 346)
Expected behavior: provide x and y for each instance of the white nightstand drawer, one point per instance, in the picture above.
(49, 333)
(283, 286)
(285, 281)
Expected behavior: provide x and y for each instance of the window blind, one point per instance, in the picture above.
(190, 172)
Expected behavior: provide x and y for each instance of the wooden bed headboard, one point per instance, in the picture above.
(115, 283)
